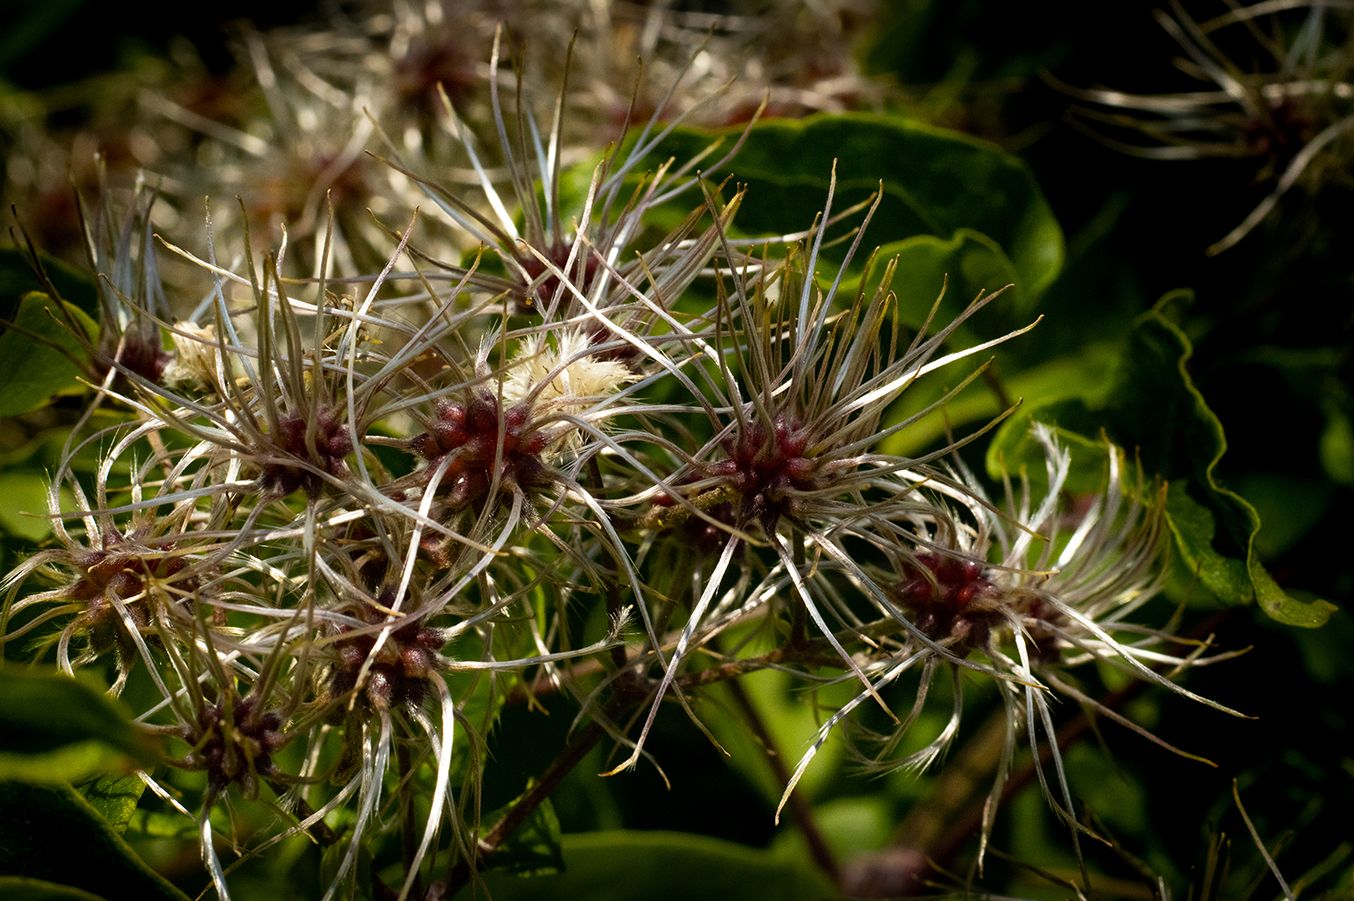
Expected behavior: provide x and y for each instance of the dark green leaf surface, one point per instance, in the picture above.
(936, 183)
(658, 866)
(17, 279)
(51, 833)
(17, 888)
(1154, 410)
(533, 849)
(31, 369)
(54, 728)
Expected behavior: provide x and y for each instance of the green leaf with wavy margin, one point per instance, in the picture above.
(936, 182)
(1153, 409)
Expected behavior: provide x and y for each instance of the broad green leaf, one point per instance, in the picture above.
(49, 832)
(657, 866)
(967, 264)
(850, 826)
(1154, 410)
(1337, 448)
(24, 511)
(55, 729)
(1055, 380)
(533, 848)
(1290, 506)
(792, 721)
(936, 183)
(1195, 529)
(31, 369)
(17, 279)
(18, 888)
(114, 797)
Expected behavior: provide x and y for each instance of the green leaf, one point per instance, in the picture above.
(1337, 448)
(1154, 410)
(28, 25)
(17, 888)
(51, 833)
(17, 279)
(936, 182)
(33, 369)
(358, 881)
(1290, 506)
(791, 723)
(657, 866)
(1015, 450)
(114, 797)
(850, 826)
(533, 848)
(24, 512)
(967, 264)
(1049, 382)
(55, 729)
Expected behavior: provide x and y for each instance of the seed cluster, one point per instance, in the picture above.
(366, 501)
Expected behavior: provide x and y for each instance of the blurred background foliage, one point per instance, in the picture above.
(1228, 374)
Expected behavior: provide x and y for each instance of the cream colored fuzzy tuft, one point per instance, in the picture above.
(562, 375)
(194, 363)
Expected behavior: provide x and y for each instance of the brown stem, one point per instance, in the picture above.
(628, 689)
(950, 841)
(800, 809)
(573, 753)
(994, 382)
(942, 845)
(320, 830)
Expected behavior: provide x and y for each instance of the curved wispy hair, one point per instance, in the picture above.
(299, 163)
(781, 58)
(794, 385)
(1292, 115)
(1022, 594)
(121, 253)
(601, 246)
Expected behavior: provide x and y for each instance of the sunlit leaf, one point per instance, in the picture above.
(54, 728)
(114, 797)
(34, 370)
(24, 512)
(791, 721)
(967, 264)
(1056, 379)
(1337, 448)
